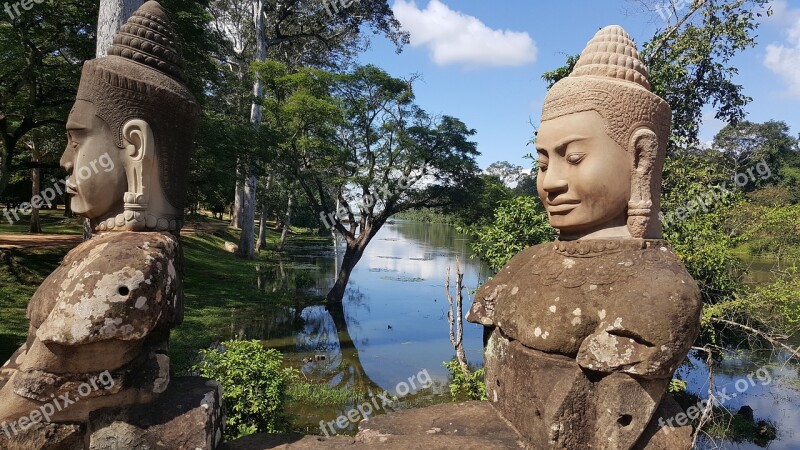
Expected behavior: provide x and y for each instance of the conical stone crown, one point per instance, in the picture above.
(612, 54)
(148, 38)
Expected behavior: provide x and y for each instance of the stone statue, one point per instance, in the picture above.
(584, 334)
(100, 324)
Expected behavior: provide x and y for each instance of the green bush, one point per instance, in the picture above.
(466, 386)
(254, 386)
(518, 224)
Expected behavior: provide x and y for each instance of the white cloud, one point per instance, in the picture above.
(784, 60)
(456, 38)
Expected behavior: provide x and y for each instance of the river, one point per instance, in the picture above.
(393, 326)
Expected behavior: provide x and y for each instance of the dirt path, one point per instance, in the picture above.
(12, 241)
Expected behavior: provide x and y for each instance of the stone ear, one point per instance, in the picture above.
(644, 151)
(138, 139)
(141, 169)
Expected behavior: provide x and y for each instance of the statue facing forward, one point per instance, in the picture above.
(100, 324)
(584, 334)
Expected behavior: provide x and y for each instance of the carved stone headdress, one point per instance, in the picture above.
(611, 79)
(142, 78)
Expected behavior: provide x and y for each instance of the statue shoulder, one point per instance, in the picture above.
(483, 307)
(115, 286)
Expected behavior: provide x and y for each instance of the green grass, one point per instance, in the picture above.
(52, 222)
(21, 273)
(315, 395)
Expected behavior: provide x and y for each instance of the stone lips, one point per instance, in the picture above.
(142, 79)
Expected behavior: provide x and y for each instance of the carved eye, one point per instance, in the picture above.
(575, 158)
(543, 164)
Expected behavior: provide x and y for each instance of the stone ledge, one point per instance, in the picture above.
(462, 426)
(187, 416)
(45, 436)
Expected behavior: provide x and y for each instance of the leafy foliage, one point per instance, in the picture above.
(518, 224)
(699, 239)
(466, 386)
(255, 386)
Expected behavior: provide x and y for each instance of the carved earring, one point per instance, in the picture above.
(645, 150)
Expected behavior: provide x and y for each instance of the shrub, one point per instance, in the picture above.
(254, 386)
(466, 386)
(518, 224)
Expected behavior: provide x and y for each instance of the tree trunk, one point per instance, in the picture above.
(36, 225)
(352, 256)
(287, 223)
(113, 14)
(262, 226)
(238, 200)
(247, 245)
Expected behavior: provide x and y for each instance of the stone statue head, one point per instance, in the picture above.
(602, 143)
(131, 130)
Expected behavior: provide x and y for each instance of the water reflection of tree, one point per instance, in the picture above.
(327, 329)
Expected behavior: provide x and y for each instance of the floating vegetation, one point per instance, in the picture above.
(403, 279)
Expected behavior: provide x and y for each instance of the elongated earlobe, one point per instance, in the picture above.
(140, 168)
(644, 143)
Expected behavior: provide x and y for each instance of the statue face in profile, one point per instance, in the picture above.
(96, 179)
(584, 176)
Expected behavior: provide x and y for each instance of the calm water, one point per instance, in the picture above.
(393, 324)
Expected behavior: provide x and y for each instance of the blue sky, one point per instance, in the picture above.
(482, 61)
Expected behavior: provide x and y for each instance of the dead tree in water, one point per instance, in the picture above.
(455, 316)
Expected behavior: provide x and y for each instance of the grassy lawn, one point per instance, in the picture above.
(52, 221)
(21, 273)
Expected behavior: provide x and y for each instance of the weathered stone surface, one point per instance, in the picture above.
(187, 416)
(586, 300)
(471, 425)
(44, 437)
(465, 426)
(103, 315)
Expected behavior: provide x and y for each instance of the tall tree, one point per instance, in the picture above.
(508, 173)
(43, 50)
(362, 151)
(301, 33)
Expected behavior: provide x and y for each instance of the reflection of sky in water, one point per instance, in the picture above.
(399, 282)
(777, 401)
(416, 310)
